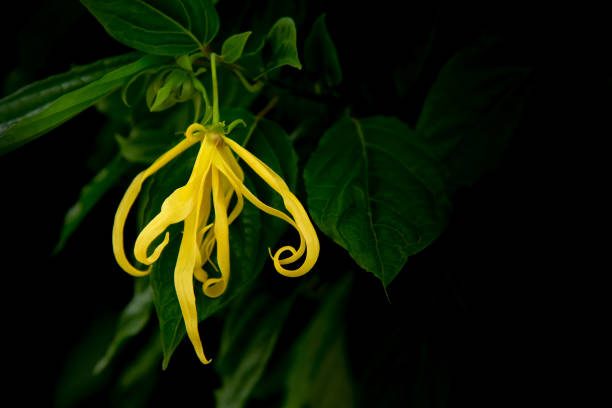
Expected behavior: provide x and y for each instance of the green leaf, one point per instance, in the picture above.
(319, 374)
(77, 382)
(471, 111)
(137, 381)
(281, 40)
(143, 145)
(89, 196)
(320, 54)
(163, 98)
(25, 125)
(250, 235)
(132, 320)
(250, 332)
(234, 46)
(277, 49)
(161, 27)
(36, 95)
(375, 188)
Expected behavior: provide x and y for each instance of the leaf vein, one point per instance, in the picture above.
(362, 141)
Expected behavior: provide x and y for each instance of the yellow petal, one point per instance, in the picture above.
(214, 287)
(205, 206)
(295, 208)
(183, 275)
(175, 208)
(306, 228)
(130, 197)
(238, 186)
(228, 157)
(220, 160)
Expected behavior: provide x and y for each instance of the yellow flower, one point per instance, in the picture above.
(216, 177)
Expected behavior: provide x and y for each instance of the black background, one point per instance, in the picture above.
(486, 300)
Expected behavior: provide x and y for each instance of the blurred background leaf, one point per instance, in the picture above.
(250, 332)
(472, 109)
(132, 321)
(320, 56)
(319, 374)
(134, 386)
(77, 381)
(89, 196)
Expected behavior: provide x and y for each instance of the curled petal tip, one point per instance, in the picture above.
(157, 252)
(194, 127)
(200, 353)
(214, 287)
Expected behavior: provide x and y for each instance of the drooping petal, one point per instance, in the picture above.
(207, 236)
(238, 186)
(300, 216)
(295, 254)
(230, 160)
(175, 208)
(214, 287)
(130, 197)
(295, 208)
(183, 275)
(205, 206)
(228, 187)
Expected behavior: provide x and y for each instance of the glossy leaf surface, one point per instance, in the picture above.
(375, 188)
(160, 27)
(35, 119)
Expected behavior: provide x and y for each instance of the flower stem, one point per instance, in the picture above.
(213, 67)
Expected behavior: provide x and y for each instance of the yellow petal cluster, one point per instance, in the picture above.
(215, 179)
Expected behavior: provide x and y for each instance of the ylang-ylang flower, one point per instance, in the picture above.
(215, 179)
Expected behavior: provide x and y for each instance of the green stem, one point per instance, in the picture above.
(259, 117)
(247, 85)
(197, 107)
(213, 67)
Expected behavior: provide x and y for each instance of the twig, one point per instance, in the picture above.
(260, 116)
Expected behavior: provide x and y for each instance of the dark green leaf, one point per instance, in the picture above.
(137, 381)
(282, 43)
(36, 95)
(277, 49)
(234, 46)
(24, 126)
(319, 374)
(250, 235)
(132, 320)
(89, 196)
(471, 111)
(320, 54)
(250, 332)
(375, 189)
(161, 27)
(143, 145)
(77, 381)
